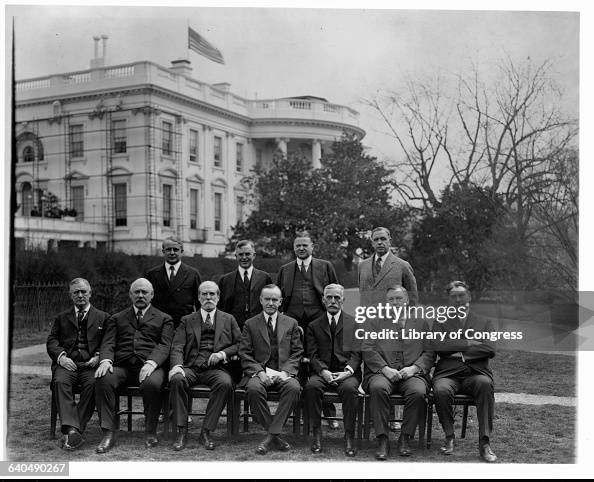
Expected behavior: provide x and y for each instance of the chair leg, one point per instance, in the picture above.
(297, 418)
(429, 422)
(53, 415)
(423, 427)
(129, 413)
(230, 418)
(360, 422)
(236, 414)
(367, 428)
(306, 421)
(464, 421)
(166, 411)
(246, 415)
(117, 411)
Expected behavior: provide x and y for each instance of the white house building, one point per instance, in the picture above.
(134, 153)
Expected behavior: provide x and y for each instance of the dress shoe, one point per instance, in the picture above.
(349, 445)
(181, 439)
(107, 442)
(383, 448)
(316, 445)
(403, 445)
(73, 440)
(448, 446)
(265, 446)
(205, 440)
(487, 454)
(151, 440)
(281, 444)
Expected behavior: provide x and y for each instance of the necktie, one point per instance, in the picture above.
(208, 321)
(139, 316)
(246, 280)
(80, 317)
(333, 327)
(378, 266)
(171, 273)
(302, 268)
(270, 328)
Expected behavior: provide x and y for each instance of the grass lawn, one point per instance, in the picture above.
(523, 434)
(23, 337)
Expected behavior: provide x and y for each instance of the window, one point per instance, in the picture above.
(239, 201)
(28, 154)
(166, 205)
(218, 211)
(167, 136)
(193, 145)
(76, 141)
(27, 199)
(120, 204)
(118, 132)
(193, 208)
(218, 151)
(239, 157)
(77, 193)
(258, 156)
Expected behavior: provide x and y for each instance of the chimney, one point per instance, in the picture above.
(104, 38)
(181, 67)
(97, 62)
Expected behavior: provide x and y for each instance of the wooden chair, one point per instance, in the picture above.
(459, 400)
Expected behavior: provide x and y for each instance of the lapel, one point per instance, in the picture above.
(132, 317)
(385, 268)
(289, 276)
(281, 328)
(315, 267)
(326, 326)
(148, 315)
(263, 326)
(218, 325)
(91, 323)
(254, 284)
(72, 318)
(196, 325)
(181, 275)
(340, 323)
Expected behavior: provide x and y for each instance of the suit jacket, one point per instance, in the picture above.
(322, 272)
(346, 346)
(62, 336)
(178, 298)
(379, 353)
(227, 282)
(124, 337)
(254, 346)
(395, 271)
(476, 356)
(186, 342)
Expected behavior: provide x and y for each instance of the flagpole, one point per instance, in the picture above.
(187, 36)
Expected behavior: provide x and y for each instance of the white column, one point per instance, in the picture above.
(316, 153)
(282, 145)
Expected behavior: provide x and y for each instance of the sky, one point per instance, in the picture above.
(343, 55)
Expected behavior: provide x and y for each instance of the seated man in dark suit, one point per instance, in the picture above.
(463, 367)
(336, 364)
(396, 366)
(73, 345)
(135, 346)
(175, 283)
(270, 350)
(202, 346)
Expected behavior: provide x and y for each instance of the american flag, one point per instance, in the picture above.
(199, 44)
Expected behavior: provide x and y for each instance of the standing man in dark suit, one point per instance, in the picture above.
(270, 350)
(336, 363)
(135, 346)
(202, 346)
(384, 270)
(396, 366)
(302, 285)
(241, 288)
(175, 283)
(73, 345)
(463, 367)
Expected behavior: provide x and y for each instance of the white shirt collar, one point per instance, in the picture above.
(175, 266)
(306, 261)
(274, 318)
(136, 310)
(382, 258)
(250, 270)
(336, 317)
(204, 314)
(84, 310)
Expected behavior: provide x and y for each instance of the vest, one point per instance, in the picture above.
(272, 335)
(206, 346)
(80, 353)
(304, 299)
(240, 308)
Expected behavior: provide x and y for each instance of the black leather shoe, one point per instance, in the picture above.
(107, 442)
(403, 445)
(181, 439)
(349, 445)
(448, 446)
(383, 448)
(316, 445)
(487, 454)
(281, 444)
(205, 440)
(73, 440)
(151, 440)
(265, 446)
